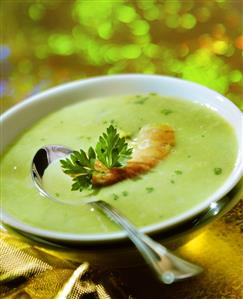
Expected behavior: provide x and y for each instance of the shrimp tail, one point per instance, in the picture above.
(152, 144)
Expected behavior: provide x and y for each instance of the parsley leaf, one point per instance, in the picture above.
(80, 166)
(112, 150)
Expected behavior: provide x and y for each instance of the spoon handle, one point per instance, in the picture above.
(167, 266)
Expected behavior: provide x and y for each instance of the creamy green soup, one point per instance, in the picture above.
(198, 164)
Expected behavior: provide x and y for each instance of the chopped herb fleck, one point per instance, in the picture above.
(125, 193)
(189, 156)
(43, 139)
(113, 122)
(218, 170)
(86, 137)
(172, 181)
(178, 172)
(57, 194)
(153, 93)
(115, 196)
(136, 178)
(141, 101)
(105, 122)
(166, 111)
(150, 189)
(202, 136)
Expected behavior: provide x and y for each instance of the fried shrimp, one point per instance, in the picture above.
(152, 144)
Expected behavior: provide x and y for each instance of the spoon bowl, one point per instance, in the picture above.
(167, 266)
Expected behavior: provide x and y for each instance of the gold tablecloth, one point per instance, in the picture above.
(45, 43)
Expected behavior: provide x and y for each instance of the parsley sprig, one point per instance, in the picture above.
(111, 150)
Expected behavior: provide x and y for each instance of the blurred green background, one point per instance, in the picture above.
(48, 42)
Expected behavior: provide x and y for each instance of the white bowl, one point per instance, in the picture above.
(26, 113)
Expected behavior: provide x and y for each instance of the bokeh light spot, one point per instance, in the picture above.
(131, 51)
(36, 11)
(145, 4)
(236, 76)
(230, 50)
(172, 7)
(112, 54)
(140, 27)
(220, 47)
(188, 21)
(4, 52)
(61, 44)
(126, 14)
(105, 30)
(205, 41)
(152, 50)
(117, 68)
(183, 50)
(239, 42)
(80, 39)
(3, 87)
(202, 14)
(149, 69)
(41, 51)
(172, 21)
(25, 66)
(93, 13)
(221, 1)
(151, 14)
(218, 30)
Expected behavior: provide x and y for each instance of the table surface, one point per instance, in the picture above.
(45, 43)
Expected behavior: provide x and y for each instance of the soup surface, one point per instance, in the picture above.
(197, 165)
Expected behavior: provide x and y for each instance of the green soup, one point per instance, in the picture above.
(200, 162)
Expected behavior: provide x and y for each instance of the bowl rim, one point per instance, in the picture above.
(230, 182)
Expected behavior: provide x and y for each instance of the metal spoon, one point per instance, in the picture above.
(167, 266)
